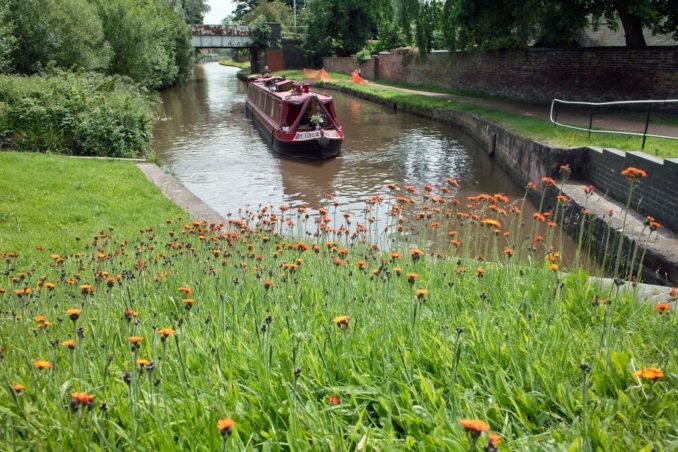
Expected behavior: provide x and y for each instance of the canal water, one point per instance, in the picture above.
(205, 140)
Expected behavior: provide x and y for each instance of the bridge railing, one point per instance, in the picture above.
(592, 106)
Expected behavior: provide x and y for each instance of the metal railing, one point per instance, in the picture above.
(592, 105)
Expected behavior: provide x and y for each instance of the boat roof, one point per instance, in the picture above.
(266, 83)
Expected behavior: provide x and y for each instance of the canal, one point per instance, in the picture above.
(204, 139)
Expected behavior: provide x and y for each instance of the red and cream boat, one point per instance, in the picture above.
(295, 120)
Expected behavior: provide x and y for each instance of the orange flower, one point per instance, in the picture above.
(129, 314)
(267, 283)
(553, 267)
(480, 271)
(42, 364)
(49, 285)
(82, 398)
(40, 318)
(416, 253)
(633, 174)
(188, 303)
(547, 181)
(225, 425)
(18, 387)
(650, 373)
(421, 293)
(411, 277)
(508, 251)
(86, 289)
(342, 321)
(395, 255)
(662, 308)
(333, 400)
(474, 425)
(166, 332)
(73, 313)
(70, 343)
(490, 223)
(493, 439)
(141, 362)
(135, 340)
(185, 290)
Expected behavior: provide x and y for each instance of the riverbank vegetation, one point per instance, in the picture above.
(48, 47)
(231, 62)
(538, 129)
(425, 321)
(58, 203)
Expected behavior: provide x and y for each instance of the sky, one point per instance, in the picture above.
(220, 9)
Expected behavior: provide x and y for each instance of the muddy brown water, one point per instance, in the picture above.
(205, 140)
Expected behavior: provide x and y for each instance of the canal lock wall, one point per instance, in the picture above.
(526, 160)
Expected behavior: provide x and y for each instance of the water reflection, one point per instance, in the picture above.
(206, 141)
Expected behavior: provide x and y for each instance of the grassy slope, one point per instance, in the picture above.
(49, 200)
(538, 129)
(231, 62)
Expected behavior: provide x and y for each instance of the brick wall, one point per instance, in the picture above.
(346, 65)
(604, 73)
(657, 195)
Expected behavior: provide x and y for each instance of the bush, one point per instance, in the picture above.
(79, 114)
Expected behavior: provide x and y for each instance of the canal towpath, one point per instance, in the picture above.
(621, 121)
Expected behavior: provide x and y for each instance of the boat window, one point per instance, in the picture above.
(292, 113)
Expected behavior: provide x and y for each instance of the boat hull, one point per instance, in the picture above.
(314, 149)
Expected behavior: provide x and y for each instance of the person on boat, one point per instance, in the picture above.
(267, 72)
(356, 76)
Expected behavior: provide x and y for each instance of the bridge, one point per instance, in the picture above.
(222, 37)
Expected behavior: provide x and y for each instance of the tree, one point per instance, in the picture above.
(66, 32)
(191, 11)
(7, 39)
(274, 11)
(341, 26)
(660, 16)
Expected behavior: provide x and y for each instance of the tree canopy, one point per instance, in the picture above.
(145, 40)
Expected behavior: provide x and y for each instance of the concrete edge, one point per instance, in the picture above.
(179, 194)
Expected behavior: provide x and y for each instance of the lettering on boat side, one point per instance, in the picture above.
(307, 135)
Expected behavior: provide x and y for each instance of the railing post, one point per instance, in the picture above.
(647, 123)
(555, 114)
(590, 120)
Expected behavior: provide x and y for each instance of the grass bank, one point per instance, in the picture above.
(538, 129)
(231, 62)
(50, 201)
(145, 338)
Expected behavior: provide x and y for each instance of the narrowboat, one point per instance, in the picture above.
(295, 120)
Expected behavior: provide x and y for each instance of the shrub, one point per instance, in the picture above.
(80, 114)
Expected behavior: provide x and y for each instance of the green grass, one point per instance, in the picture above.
(505, 348)
(48, 200)
(534, 128)
(231, 62)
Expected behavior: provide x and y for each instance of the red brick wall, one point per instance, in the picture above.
(604, 73)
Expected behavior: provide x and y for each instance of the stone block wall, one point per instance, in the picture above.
(656, 195)
(593, 74)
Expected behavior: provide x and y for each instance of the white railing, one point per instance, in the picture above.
(592, 105)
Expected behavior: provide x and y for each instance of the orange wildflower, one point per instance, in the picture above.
(267, 283)
(18, 387)
(416, 253)
(82, 398)
(42, 364)
(494, 439)
(333, 400)
(662, 308)
(166, 332)
(474, 425)
(342, 321)
(70, 343)
(633, 174)
(225, 426)
(86, 289)
(185, 290)
(74, 313)
(421, 293)
(490, 223)
(649, 373)
(141, 362)
(411, 277)
(135, 340)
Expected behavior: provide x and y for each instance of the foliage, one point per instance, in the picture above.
(275, 11)
(191, 11)
(325, 344)
(261, 31)
(7, 38)
(67, 32)
(341, 26)
(80, 114)
(150, 43)
(363, 55)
